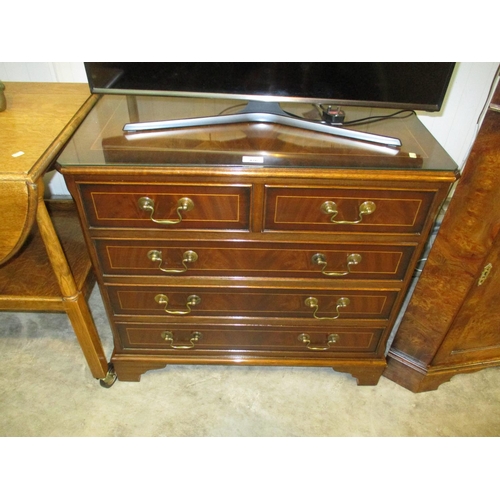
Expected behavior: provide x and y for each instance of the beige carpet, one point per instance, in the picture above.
(46, 390)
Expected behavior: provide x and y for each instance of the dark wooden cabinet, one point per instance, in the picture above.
(302, 259)
(452, 323)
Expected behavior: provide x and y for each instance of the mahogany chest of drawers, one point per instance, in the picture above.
(251, 244)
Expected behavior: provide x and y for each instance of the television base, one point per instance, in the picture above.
(264, 112)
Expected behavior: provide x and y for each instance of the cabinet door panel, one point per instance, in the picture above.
(475, 332)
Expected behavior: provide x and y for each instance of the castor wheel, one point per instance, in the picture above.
(109, 379)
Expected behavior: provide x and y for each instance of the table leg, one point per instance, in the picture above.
(75, 303)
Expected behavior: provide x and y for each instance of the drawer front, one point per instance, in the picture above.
(165, 206)
(226, 258)
(232, 302)
(346, 210)
(182, 339)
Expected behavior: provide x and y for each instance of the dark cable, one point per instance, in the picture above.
(373, 119)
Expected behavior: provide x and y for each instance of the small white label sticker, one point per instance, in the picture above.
(253, 159)
(412, 155)
(19, 153)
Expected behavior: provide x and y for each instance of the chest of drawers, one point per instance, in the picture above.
(303, 260)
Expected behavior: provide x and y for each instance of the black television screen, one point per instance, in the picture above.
(402, 85)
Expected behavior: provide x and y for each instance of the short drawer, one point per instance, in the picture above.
(166, 206)
(246, 302)
(181, 339)
(253, 259)
(346, 210)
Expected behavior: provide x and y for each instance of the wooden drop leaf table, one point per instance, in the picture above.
(44, 263)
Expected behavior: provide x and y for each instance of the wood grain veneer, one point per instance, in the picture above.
(451, 323)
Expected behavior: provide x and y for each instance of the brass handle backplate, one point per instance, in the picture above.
(320, 260)
(332, 339)
(313, 303)
(484, 275)
(168, 336)
(192, 300)
(148, 205)
(330, 208)
(188, 257)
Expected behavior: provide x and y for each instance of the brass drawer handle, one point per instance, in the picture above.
(320, 260)
(188, 257)
(332, 339)
(192, 300)
(169, 337)
(330, 208)
(484, 275)
(313, 302)
(148, 205)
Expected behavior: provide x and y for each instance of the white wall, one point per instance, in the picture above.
(42, 72)
(455, 126)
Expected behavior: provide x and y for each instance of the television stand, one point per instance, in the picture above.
(302, 259)
(264, 112)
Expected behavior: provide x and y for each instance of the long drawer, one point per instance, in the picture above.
(166, 206)
(180, 338)
(316, 305)
(346, 210)
(228, 258)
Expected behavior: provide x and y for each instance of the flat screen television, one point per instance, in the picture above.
(328, 85)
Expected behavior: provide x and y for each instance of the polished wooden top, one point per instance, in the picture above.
(35, 116)
(101, 141)
(38, 121)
